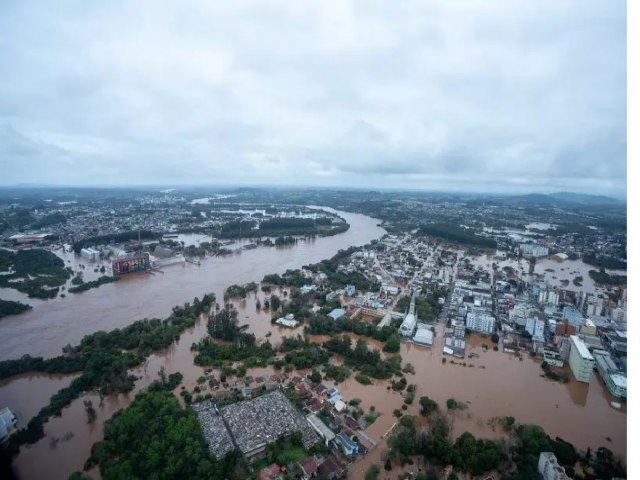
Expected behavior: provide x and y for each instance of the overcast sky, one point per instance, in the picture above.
(454, 95)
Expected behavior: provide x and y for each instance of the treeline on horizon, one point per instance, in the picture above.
(115, 237)
(603, 278)
(234, 229)
(605, 262)
(454, 233)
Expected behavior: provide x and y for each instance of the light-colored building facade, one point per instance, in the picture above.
(409, 323)
(618, 314)
(580, 360)
(588, 327)
(424, 335)
(613, 377)
(533, 250)
(548, 297)
(320, 427)
(553, 357)
(8, 423)
(549, 468)
(90, 254)
(480, 321)
(573, 316)
(458, 327)
(535, 327)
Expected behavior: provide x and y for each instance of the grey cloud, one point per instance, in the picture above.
(391, 94)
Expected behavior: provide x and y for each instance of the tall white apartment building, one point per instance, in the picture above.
(581, 361)
(480, 320)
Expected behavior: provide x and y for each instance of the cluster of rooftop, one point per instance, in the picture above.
(252, 424)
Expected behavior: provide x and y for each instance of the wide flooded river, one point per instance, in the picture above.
(53, 324)
(498, 384)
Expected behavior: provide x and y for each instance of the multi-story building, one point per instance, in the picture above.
(593, 305)
(458, 328)
(90, 254)
(350, 290)
(549, 468)
(613, 377)
(548, 297)
(588, 327)
(533, 250)
(553, 357)
(535, 327)
(480, 320)
(573, 316)
(580, 360)
(136, 262)
(618, 314)
(594, 309)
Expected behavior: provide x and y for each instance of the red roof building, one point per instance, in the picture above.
(309, 466)
(565, 328)
(272, 472)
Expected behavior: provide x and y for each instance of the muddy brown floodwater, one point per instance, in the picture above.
(53, 324)
(579, 413)
(498, 384)
(554, 271)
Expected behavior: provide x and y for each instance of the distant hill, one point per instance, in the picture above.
(560, 199)
(585, 199)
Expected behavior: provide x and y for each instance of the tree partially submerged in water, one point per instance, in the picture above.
(103, 360)
(515, 459)
(9, 307)
(155, 438)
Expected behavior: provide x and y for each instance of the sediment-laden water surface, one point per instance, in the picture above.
(497, 384)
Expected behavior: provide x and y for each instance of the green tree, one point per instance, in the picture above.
(154, 438)
(393, 344)
(427, 406)
(315, 376)
(372, 472)
(224, 324)
(275, 302)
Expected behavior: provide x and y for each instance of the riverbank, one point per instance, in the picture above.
(51, 325)
(119, 304)
(498, 384)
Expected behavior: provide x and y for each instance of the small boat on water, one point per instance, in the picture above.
(616, 405)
